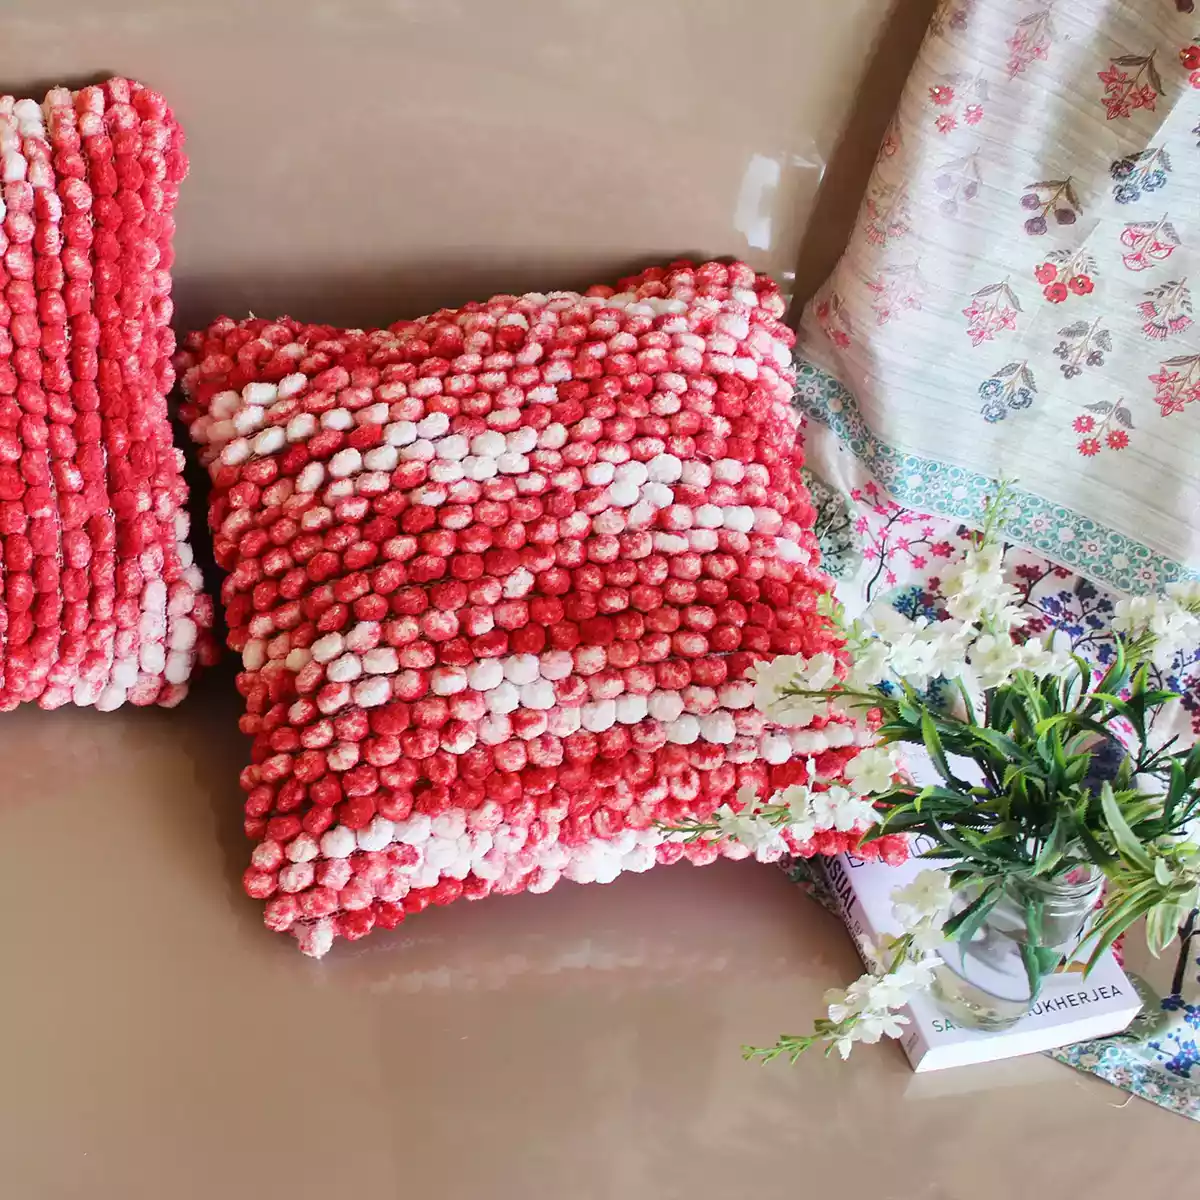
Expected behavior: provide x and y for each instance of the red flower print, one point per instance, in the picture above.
(942, 94)
(840, 339)
(1189, 56)
(1117, 439)
(1031, 41)
(941, 549)
(1080, 284)
(1056, 293)
(1089, 447)
(945, 123)
(1124, 92)
(1194, 79)
(973, 114)
(1175, 390)
(1084, 424)
(1046, 273)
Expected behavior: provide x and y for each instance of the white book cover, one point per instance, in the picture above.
(1069, 1009)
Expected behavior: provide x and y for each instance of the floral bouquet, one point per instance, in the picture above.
(1060, 820)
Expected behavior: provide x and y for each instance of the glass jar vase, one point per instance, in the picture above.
(984, 983)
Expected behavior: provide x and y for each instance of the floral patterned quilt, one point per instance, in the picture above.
(1018, 297)
(879, 551)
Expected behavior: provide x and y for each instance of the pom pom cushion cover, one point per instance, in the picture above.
(497, 578)
(100, 601)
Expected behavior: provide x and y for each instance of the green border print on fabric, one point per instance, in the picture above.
(1059, 533)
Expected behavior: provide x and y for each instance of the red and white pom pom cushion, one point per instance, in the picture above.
(497, 577)
(100, 602)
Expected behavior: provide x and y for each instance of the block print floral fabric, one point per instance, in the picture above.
(885, 553)
(1019, 297)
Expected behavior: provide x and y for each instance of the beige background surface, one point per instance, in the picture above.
(157, 1042)
(360, 162)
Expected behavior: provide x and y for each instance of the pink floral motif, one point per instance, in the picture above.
(1125, 92)
(973, 114)
(892, 139)
(834, 320)
(1166, 310)
(896, 288)
(888, 216)
(1030, 42)
(1177, 383)
(886, 542)
(946, 122)
(1148, 242)
(942, 94)
(993, 309)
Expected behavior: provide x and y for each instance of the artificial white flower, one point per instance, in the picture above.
(1040, 659)
(911, 654)
(995, 658)
(773, 678)
(875, 1024)
(871, 770)
(849, 1001)
(949, 642)
(747, 796)
(1185, 593)
(913, 975)
(926, 898)
(799, 821)
(752, 831)
(921, 650)
(1170, 619)
(839, 808)
(977, 592)
(868, 664)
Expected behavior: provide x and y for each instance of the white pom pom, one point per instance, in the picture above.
(338, 842)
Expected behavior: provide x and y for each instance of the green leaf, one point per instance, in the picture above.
(1109, 929)
(1004, 746)
(1163, 923)
(933, 746)
(964, 849)
(1039, 962)
(1124, 837)
(966, 699)
(964, 925)
(1033, 919)
(1052, 851)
